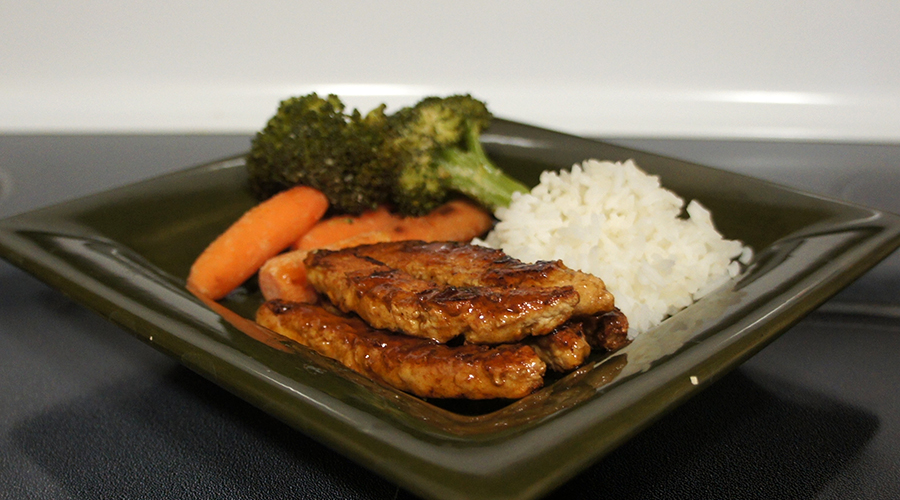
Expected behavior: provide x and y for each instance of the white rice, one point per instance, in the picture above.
(618, 223)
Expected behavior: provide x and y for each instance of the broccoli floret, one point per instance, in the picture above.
(414, 159)
(436, 146)
(312, 141)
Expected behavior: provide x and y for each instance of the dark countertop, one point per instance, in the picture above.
(86, 411)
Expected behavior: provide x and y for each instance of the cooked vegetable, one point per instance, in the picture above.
(311, 141)
(258, 235)
(342, 227)
(284, 277)
(437, 147)
(456, 220)
(415, 159)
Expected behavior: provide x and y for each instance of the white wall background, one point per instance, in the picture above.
(824, 70)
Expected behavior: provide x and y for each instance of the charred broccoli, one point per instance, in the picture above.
(312, 141)
(414, 159)
(436, 146)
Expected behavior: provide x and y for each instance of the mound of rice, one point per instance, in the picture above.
(616, 222)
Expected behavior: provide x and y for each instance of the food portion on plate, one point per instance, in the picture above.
(656, 253)
(414, 159)
(392, 244)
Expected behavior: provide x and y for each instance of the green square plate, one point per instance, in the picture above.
(125, 253)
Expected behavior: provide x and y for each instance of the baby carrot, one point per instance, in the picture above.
(258, 235)
(284, 277)
(457, 220)
(342, 227)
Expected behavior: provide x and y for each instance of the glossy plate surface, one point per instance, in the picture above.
(125, 253)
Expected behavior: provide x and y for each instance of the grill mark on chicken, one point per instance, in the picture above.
(392, 299)
(418, 366)
(458, 264)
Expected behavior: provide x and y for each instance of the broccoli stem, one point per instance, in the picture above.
(473, 174)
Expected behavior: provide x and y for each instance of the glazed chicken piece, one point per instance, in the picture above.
(392, 299)
(418, 366)
(564, 349)
(569, 346)
(608, 331)
(460, 264)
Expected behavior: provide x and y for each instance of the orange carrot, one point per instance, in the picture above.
(457, 220)
(341, 227)
(258, 235)
(284, 276)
